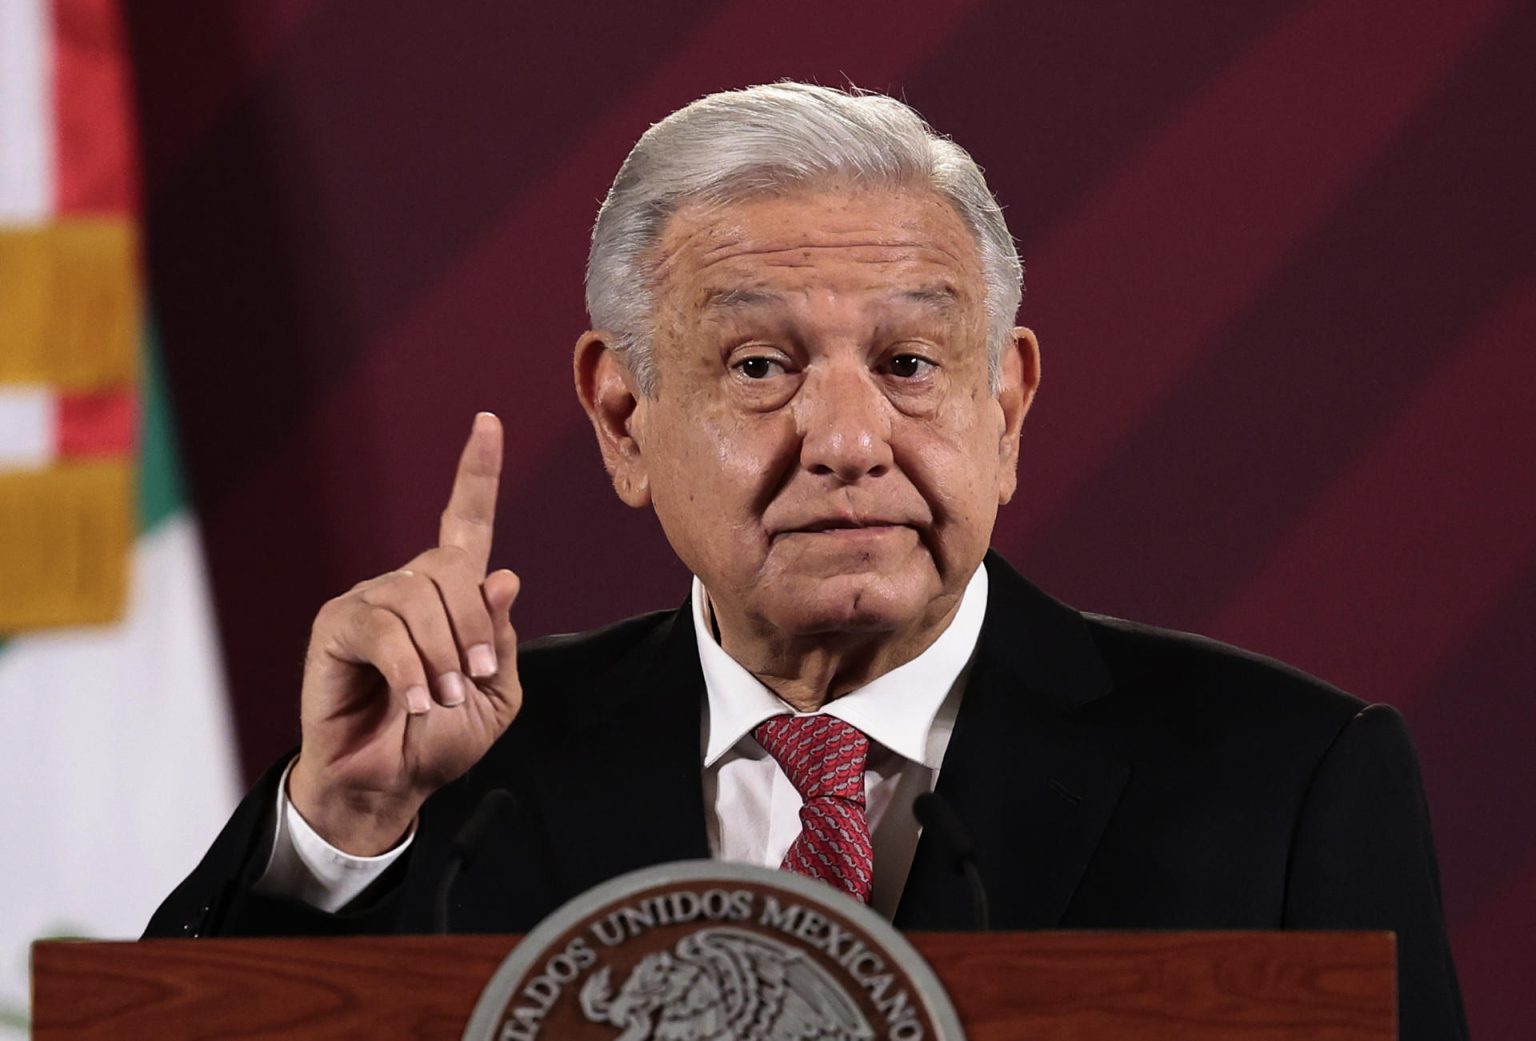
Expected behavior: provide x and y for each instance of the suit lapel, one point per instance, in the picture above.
(1025, 771)
(624, 791)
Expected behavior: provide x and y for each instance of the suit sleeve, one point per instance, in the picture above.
(1363, 858)
(218, 898)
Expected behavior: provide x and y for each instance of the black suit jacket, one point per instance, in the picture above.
(1112, 775)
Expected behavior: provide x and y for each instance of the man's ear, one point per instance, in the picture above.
(1019, 377)
(608, 392)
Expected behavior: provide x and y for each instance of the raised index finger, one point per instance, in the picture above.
(471, 514)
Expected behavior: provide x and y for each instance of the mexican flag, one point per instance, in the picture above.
(117, 755)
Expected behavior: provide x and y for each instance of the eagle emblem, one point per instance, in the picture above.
(726, 984)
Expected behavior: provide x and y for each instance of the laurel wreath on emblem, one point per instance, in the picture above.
(726, 984)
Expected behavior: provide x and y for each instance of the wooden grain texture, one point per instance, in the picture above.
(1161, 986)
(1034, 986)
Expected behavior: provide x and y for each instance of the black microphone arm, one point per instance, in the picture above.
(466, 845)
(938, 819)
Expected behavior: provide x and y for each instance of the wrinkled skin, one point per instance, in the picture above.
(823, 448)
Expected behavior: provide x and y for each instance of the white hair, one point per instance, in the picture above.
(768, 139)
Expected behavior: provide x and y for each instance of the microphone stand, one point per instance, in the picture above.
(938, 819)
(465, 846)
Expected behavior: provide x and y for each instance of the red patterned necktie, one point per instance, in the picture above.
(823, 757)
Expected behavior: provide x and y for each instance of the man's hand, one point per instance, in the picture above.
(410, 676)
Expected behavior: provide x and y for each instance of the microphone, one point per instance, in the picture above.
(465, 846)
(938, 819)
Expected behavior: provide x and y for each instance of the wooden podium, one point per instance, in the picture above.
(1190, 986)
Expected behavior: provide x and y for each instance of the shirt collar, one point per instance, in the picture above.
(896, 710)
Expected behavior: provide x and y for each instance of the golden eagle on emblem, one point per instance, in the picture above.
(726, 984)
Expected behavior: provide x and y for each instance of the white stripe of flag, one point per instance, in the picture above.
(28, 423)
(26, 112)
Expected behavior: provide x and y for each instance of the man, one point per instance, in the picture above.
(803, 359)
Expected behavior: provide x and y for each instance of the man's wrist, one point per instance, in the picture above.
(358, 823)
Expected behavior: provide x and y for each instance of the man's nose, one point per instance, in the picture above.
(845, 425)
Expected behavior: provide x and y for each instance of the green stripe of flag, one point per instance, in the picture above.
(161, 490)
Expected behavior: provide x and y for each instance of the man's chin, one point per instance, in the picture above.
(860, 603)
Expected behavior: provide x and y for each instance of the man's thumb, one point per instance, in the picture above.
(501, 589)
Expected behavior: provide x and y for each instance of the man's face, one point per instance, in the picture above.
(823, 449)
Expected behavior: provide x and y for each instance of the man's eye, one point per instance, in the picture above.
(759, 368)
(907, 366)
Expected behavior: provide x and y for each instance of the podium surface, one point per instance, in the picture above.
(1051, 986)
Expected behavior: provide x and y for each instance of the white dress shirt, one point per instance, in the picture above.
(753, 811)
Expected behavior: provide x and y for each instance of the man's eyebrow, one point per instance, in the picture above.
(737, 299)
(941, 296)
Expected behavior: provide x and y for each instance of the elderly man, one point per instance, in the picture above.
(804, 360)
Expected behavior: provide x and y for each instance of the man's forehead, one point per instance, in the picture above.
(736, 244)
(724, 300)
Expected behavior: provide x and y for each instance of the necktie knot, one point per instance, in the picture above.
(822, 756)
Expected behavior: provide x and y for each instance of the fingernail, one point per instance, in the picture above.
(417, 700)
(452, 685)
(482, 660)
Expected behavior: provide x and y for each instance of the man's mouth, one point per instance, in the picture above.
(844, 525)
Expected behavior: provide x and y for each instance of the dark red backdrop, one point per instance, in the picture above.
(1281, 255)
